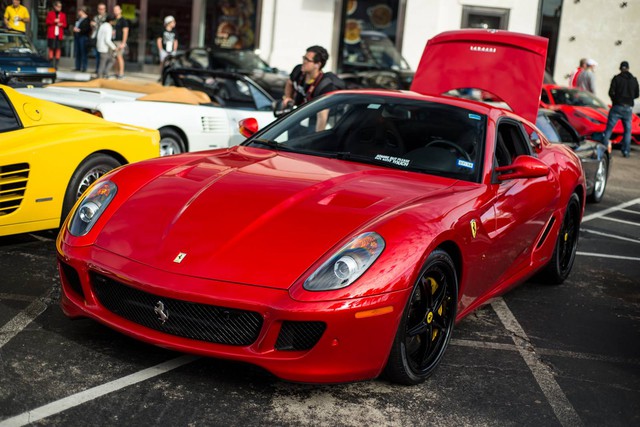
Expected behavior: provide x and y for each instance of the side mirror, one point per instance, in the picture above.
(523, 167)
(248, 126)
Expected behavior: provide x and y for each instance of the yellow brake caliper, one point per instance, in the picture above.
(434, 287)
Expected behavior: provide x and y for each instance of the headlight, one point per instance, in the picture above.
(91, 207)
(349, 263)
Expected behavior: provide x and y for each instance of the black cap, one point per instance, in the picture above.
(624, 64)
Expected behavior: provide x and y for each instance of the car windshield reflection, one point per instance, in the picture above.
(397, 133)
(576, 97)
(16, 43)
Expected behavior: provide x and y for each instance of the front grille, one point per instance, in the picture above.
(13, 184)
(201, 322)
(299, 335)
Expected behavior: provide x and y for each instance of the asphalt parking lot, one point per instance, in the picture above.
(541, 355)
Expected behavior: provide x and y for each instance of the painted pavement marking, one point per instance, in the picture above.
(602, 213)
(564, 411)
(79, 398)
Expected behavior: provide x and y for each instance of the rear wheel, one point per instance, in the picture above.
(171, 142)
(92, 168)
(564, 254)
(427, 322)
(600, 180)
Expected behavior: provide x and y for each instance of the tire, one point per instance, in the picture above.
(564, 253)
(427, 322)
(91, 168)
(600, 180)
(170, 142)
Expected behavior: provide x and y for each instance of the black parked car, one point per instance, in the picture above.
(374, 61)
(20, 62)
(245, 62)
(596, 160)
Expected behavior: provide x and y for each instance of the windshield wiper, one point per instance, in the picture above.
(270, 144)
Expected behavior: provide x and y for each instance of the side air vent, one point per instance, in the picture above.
(13, 184)
(214, 124)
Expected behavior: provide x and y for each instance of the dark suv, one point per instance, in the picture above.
(20, 62)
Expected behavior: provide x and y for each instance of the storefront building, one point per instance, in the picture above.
(281, 30)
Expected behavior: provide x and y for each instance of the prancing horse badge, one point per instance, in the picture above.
(474, 228)
(179, 258)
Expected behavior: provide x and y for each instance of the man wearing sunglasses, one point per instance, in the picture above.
(307, 81)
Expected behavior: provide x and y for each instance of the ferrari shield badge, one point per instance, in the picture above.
(178, 259)
(474, 228)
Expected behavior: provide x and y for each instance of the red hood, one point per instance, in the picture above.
(301, 207)
(509, 65)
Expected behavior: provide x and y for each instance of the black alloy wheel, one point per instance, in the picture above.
(427, 323)
(564, 254)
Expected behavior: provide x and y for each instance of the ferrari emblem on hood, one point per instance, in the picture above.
(178, 259)
(474, 228)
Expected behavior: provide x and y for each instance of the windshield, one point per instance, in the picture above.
(240, 60)
(388, 131)
(16, 43)
(576, 97)
(375, 51)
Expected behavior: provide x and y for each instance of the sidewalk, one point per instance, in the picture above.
(65, 73)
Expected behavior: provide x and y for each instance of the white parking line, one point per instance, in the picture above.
(613, 236)
(21, 320)
(622, 221)
(565, 412)
(602, 213)
(599, 255)
(58, 406)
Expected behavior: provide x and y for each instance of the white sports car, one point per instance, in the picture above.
(188, 120)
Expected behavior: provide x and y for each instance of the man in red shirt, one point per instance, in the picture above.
(573, 79)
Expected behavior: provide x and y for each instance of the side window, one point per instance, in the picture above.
(8, 119)
(564, 130)
(510, 143)
(544, 97)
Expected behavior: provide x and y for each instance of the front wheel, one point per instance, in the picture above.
(427, 322)
(564, 254)
(92, 168)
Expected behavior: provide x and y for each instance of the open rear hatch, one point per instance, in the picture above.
(506, 64)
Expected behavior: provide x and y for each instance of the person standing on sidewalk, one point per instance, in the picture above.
(95, 26)
(573, 79)
(586, 80)
(105, 47)
(16, 16)
(121, 28)
(81, 31)
(622, 91)
(56, 22)
(167, 42)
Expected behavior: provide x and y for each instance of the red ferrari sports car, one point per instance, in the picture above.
(585, 112)
(344, 240)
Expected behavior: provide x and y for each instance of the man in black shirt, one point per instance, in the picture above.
(623, 90)
(307, 81)
(122, 34)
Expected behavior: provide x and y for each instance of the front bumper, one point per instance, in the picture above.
(353, 345)
(18, 79)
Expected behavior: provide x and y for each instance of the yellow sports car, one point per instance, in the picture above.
(49, 154)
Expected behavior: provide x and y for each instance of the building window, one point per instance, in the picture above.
(485, 18)
(231, 24)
